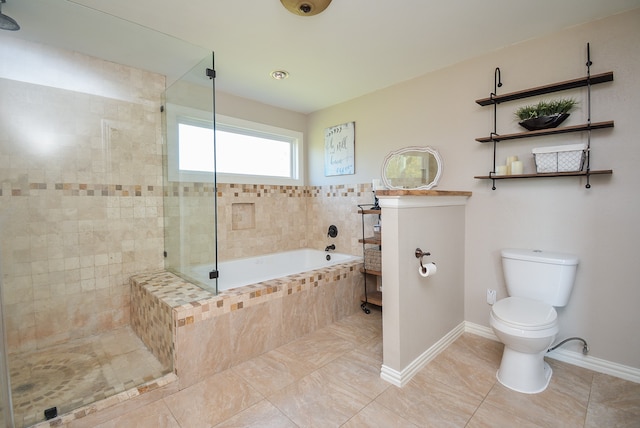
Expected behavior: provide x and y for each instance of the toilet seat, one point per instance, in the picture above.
(524, 314)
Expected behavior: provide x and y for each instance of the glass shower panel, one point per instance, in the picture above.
(80, 203)
(190, 195)
(6, 415)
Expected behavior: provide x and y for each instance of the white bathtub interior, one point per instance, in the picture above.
(251, 270)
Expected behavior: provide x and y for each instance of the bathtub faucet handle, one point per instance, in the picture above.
(330, 247)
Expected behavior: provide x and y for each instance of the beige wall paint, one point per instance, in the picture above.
(418, 311)
(599, 224)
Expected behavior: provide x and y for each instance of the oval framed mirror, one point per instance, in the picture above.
(412, 168)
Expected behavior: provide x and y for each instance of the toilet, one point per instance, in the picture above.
(526, 321)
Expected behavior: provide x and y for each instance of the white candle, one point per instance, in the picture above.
(510, 160)
(517, 167)
(501, 170)
(375, 184)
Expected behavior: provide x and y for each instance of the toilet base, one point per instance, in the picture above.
(526, 373)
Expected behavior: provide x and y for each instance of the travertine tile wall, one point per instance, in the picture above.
(80, 201)
(280, 220)
(338, 205)
(285, 218)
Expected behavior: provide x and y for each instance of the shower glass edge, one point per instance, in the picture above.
(190, 200)
(6, 406)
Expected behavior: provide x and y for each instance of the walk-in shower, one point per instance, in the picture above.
(81, 210)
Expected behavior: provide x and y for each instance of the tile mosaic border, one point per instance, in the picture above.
(12, 188)
(98, 406)
(79, 189)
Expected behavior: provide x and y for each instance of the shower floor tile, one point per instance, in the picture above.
(78, 373)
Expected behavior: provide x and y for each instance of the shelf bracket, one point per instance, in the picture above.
(589, 63)
(497, 83)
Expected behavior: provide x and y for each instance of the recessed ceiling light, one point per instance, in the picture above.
(279, 74)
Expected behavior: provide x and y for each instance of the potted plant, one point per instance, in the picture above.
(545, 114)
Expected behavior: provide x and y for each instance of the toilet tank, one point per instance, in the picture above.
(539, 275)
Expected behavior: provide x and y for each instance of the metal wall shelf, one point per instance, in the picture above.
(494, 137)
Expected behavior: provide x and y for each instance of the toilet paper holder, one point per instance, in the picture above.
(419, 255)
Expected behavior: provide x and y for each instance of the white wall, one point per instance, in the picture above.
(599, 224)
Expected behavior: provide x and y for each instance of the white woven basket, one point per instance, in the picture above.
(568, 158)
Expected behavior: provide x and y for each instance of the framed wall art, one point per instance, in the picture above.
(339, 149)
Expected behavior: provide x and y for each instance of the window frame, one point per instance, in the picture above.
(176, 114)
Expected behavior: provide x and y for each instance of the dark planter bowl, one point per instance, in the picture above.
(544, 122)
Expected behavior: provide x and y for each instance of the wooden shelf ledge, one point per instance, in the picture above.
(373, 297)
(547, 89)
(551, 131)
(371, 272)
(370, 240)
(408, 192)
(546, 174)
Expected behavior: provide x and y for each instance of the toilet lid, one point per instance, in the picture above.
(525, 313)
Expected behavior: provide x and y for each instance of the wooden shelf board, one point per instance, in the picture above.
(373, 297)
(369, 211)
(429, 192)
(370, 240)
(546, 174)
(371, 272)
(551, 131)
(547, 89)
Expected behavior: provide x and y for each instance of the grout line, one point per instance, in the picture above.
(481, 403)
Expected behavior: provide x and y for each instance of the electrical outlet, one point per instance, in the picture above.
(491, 296)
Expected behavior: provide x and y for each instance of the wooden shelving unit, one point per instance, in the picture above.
(495, 137)
(373, 297)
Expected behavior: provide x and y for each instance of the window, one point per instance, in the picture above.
(247, 152)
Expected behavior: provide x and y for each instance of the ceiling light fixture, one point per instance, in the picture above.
(279, 74)
(305, 7)
(7, 23)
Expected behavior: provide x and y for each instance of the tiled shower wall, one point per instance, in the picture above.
(255, 219)
(80, 200)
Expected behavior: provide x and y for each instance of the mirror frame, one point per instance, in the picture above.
(422, 149)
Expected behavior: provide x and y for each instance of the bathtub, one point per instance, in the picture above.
(198, 333)
(252, 270)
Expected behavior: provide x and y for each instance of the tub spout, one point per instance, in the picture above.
(330, 247)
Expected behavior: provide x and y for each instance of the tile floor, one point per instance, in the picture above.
(78, 373)
(331, 378)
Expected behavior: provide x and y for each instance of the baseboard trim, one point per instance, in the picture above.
(571, 357)
(401, 378)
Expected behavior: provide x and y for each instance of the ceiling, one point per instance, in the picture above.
(353, 48)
